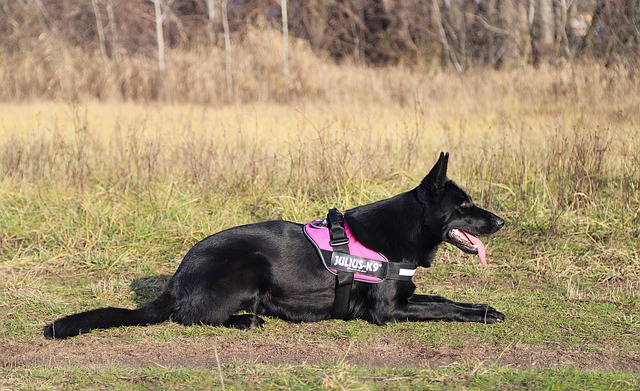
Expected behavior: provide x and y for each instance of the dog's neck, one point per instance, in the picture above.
(393, 227)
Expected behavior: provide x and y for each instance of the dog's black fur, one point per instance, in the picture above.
(271, 268)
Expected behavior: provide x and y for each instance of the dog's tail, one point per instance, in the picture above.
(157, 311)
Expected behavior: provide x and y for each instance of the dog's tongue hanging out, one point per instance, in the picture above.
(482, 254)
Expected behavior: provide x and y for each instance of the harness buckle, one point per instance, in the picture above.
(319, 223)
(339, 242)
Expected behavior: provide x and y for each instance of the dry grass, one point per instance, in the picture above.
(565, 133)
(553, 150)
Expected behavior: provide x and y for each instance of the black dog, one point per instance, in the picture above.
(272, 268)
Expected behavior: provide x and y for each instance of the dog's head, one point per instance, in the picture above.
(450, 212)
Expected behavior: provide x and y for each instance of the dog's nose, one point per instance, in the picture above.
(499, 222)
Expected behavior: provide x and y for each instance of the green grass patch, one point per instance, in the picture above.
(318, 377)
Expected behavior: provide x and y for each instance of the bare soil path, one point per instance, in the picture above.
(143, 348)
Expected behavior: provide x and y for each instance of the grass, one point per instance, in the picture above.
(322, 377)
(99, 202)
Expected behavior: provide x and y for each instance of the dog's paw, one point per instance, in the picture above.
(492, 316)
(244, 322)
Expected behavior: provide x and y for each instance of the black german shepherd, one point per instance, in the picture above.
(271, 268)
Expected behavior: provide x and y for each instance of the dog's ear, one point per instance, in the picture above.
(433, 184)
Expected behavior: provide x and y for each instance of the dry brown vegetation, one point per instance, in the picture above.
(54, 50)
(576, 125)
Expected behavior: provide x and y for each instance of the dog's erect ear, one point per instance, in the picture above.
(434, 182)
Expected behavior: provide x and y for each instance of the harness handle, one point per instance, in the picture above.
(339, 240)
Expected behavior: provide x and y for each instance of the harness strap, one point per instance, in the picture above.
(400, 271)
(344, 280)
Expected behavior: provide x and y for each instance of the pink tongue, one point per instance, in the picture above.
(482, 254)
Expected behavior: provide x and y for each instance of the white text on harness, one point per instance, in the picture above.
(351, 263)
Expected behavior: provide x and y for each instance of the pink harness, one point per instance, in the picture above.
(371, 262)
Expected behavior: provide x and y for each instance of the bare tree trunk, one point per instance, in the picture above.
(521, 31)
(160, 38)
(448, 53)
(633, 15)
(115, 39)
(543, 31)
(533, 43)
(531, 12)
(357, 54)
(227, 48)
(285, 43)
(462, 31)
(211, 11)
(564, 25)
(508, 21)
(100, 28)
(546, 21)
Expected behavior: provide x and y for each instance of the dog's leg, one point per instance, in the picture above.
(440, 299)
(215, 308)
(425, 308)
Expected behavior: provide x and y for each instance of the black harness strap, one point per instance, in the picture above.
(344, 281)
(340, 243)
(400, 271)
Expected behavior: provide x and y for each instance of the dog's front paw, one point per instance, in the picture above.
(492, 316)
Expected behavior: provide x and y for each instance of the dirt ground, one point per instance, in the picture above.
(116, 348)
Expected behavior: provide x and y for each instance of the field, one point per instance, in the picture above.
(100, 200)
